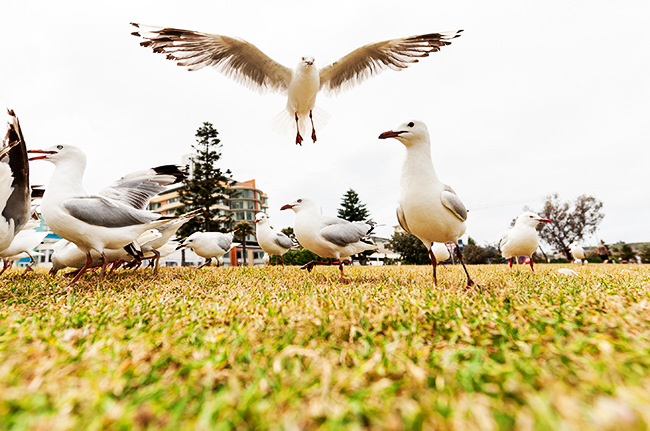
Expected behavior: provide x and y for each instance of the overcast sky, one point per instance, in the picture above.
(534, 98)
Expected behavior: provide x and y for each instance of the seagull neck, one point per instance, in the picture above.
(68, 177)
(418, 164)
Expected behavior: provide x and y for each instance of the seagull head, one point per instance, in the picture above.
(189, 241)
(59, 153)
(299, 204)
(530, 219)
(306, 61)
(261, 218)
(408, 133)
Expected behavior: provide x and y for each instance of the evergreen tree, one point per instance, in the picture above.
(207, 186)
(351, 207)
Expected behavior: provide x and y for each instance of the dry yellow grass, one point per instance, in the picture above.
(280, 348)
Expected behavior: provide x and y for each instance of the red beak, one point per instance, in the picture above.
(389, 134)
(286, 207)
(545, 220)
(46, 153)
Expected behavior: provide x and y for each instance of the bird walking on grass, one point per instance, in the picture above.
(272, 242)
(426, 207)
(329, 237)
(209, 245)
(246, 64)
(522, 239)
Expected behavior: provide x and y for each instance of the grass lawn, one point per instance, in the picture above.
(280, 348)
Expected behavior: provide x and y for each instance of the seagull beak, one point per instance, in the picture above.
(46, 153)
(180, 246)
(390, 134)
(545, 220)
(286, 207)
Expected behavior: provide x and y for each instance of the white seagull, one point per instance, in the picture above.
(15, 199)
(522, 239)
(209, 245)
(111, 219)
(578, 252)
(271, 241)
(426, 207)
(329, 237)
(24, 242)
(246, 64)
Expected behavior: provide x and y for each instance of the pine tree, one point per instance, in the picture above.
(207, 187)
(351, 207)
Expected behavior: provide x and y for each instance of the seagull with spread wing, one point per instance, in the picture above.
(246, 64)
(111, 219)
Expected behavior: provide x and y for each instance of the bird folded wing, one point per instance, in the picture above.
(224, 242)
(236, 58)
(453, 203)
(99, 211)
(372, 59)
(343, 234)
(503, 242)
(282, 240)
(402, 219)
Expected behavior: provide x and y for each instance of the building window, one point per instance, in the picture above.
(154, 205)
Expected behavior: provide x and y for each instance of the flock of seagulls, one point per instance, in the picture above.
(113, 227)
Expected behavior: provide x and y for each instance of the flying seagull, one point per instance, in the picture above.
(330, 237)
(522, 239)
(249, 66)
(426, 207)
(111, 219)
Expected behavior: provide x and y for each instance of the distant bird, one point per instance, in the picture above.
(272, 242)
(14, 183)
(111, 219)
(209, 245)
(24, 242)
(329, 237)
(426, 207)
(440, 251)
(249, 66)
(166, 232)
(578, 252)
(522, 239)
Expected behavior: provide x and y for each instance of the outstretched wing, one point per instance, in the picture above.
(136, 189)
(453, 203)
(372, 59)
(236, 58)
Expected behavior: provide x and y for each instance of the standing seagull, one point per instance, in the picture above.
(578, 252)
(272, 242)
(15, 196)
(209, 245)
(24, 242)
(522, 239)
(246, 64)
(329, 237)
(92, 222)
(426, 207)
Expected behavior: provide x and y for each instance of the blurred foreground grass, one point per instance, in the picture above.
(279, 348)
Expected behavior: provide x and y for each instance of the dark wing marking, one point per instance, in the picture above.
(18, 206)
(371, 59)
(235, 58)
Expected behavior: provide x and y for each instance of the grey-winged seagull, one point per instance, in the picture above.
(246, 64)
(329, 237)
(426, 207)
(209, 245)
(111, 219)
(522, 239)
(15, 199)
(272, 242)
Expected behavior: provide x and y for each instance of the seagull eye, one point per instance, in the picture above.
(59, 147)
(411, 124)
(299, 200)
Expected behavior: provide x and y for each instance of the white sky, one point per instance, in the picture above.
(534, 98)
